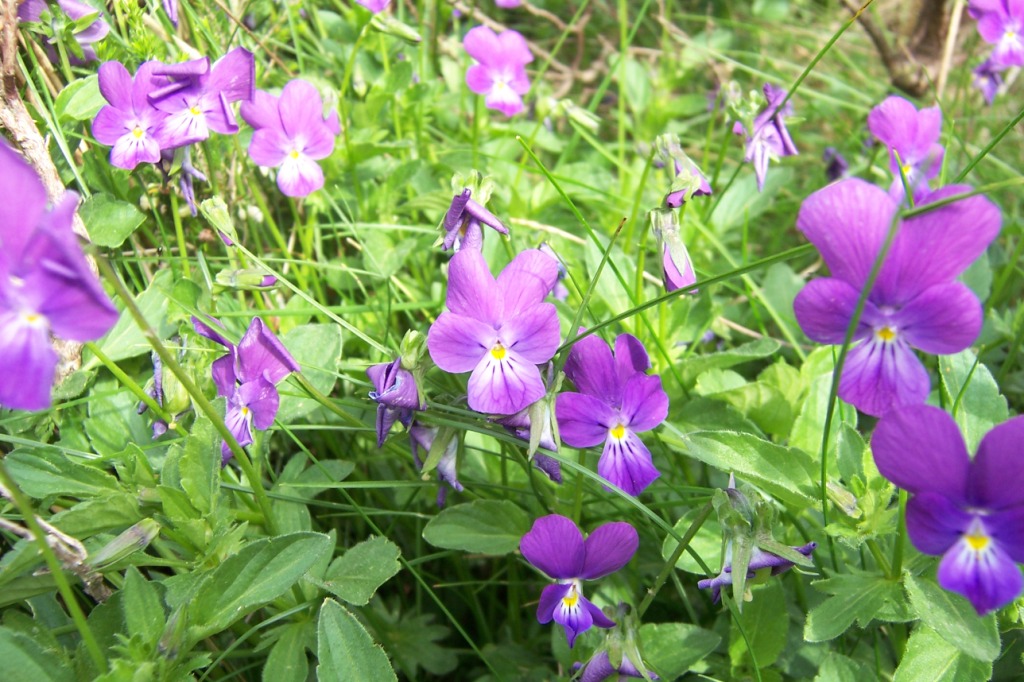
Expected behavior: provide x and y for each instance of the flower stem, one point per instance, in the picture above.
(666, 571)
(129, 383)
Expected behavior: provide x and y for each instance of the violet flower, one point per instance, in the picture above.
(616, 401)
(559, 292)
(1001, 23)
(969, 511)
(500, 74)
(129, 123)
(463, 223)
(374, 6)
(600, 668)
(912, 135)
(835, 164)
(769, 138)
(988, 79)
(556, 546)
(32, 10)
(422, 437)
(520, 425)
(171, 9)
(292, 133)
(46, 286)
(396, 394)
(197, 97)
(915, 301)
(507, 4)
(690, 182)
(500, 329)
(247, 376)
(759, 561)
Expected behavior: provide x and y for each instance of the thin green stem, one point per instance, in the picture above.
(670, 565)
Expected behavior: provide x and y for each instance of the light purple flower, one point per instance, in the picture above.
(988, 79)
(500, 329)
(500, 74)
(556, 546)
(32, 10)
(520, 425)
(171, 9)
(616, 401)
(689, 182)
(129, 123)
(292, 133)
(463, 223)
(374, 6)
(915, 301)
(46, 286)
(600, 668)
(507, 4)
(560, 292)
(759, 560)
(396, 394)
(914, 136)
(1001, 23)
(677, 277)
(247, 376)
(769, 138)
(422, 437)
(969, 511)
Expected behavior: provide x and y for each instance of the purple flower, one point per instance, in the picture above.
(500, 74)
(292, 133)
(247, 376)
(129, 123)
(988, 79)
(396, 394)
(171, 9)
(422, 438)
(520, 425)
(769, 138)
(616, 401)
(1001, 23)
(500, 329)
(600, 668)
(180, 161)
(835, 165)
(507, 4)
(46, 286)
(969, 511)
(759, 560)
(463, 223)
(689, 182)
(32, 10)
(197, 98)
(914, 136)
(559, 292)
(915, 301)
(374, 6)
(556, 546)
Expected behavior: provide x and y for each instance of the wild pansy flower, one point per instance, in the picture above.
(969, 511)
(600, 668)
(499, 329)
(374, 6)
(500, 74)
(129, 123)
(97, 30)
(507, 4)
(46, 286)
(180, 161)
(915, 301)
(556, 546)
(560, 292)
(760, 560)
(835, 164)
(676, 266)
(1001, 23)
(688, 180)
(396, 395)
(769, 139)
(421, 438)
(292, 133)
(248, 376)
(988, 79)
(463, 223)
(912, 138)
(616, 401)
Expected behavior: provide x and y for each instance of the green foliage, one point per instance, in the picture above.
(345, 650)
(482, 527)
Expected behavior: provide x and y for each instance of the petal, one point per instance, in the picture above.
(590, 366)
(18, 218)
(211, 333)
(504, 386)
(533, 334)
(223, 371)
(505, 100)
(988, 578)
(920, 449)
(1007, 528)
(218, 114)
(268, 147)
(234, 76)
(997, 473)
(627, 463)
(879, 376)
(599, 668)
(262, 111)
(299, 177)
(576, 619)
(513, 48)
(129, 151)
(479, 79)
(471, 288)
(935, 523)
(583, 420)
(28, 363)
(481, 43)
(386, 418)
(261, 398)
(824, 308)
(526, 281)
(116, 85)
(260, 353)
(895, 123)
(550, 598)
(453, 217)
(609, 548)
(943, 319)
(238, 420)
(600, 620)
(457, 343)
(109, 125)
(630, 356)
(302, 109)
(555, 545)
(644, 403)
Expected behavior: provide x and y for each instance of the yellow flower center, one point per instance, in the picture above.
(977, 540)
(32, 318)
(137, 133)
(498, 352)
(570, 599)
(886, 334)
(195, 111)
(245, 411)
(1010, 34)
(618, 431)
(294, 154)
(906, 169)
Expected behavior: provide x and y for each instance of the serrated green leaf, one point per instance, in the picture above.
(345, 650)
(99, 514)
(125, 340)
(43, 472)
(980, 404)
(707, 543)
(199, 465)
(855, 597)
(80, 100)
(109, 221)
(929, 658)
(482, 526)
(954, 619)
(839, 668)
(356, 574)
(673, 648)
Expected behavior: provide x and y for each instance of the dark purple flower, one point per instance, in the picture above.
(915, 301)
(835, 165)
(292, 133)
(500, 74)
(32, 10)
(179, 161)
(129, 123)
(156, 392)
(520, 425)
(600, 668)
(969, 511)
(912, 135)
(556, 546)
(422, 437)
(396, 394)
(247, 377)
(616, 401)
(988, 79)
(1001, 23)
(46, 286)
(463, 223)
(769, 138)
(759, 560)
(500, 329)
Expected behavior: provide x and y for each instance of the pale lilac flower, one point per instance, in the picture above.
(912, 135)
(46, 286)
(759, 560)
(559, 292)
(374, 6)
(129, 123)
(676, 266)
(507, 4)
(988, 79)
(171, 8)
(556, 546)
(500, 74)
(1001, 23)
(32, 10)
(600, 668)
(616, 401)
(969, 511)
(463, 223)
(769, 138)
(396, 395)
(292, 133)
(915, 301)
(179, 161)
(500, 329)
(688, 179)
(421, 438)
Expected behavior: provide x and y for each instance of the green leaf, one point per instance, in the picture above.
(839, 668)
(113, 422)
(980, 405)
(263, 570)
(81, 100)
(482, 526)
(707, 543)
(345, 649)
(695, 365)
(25, 660)
(672, 648)
(742, 202)
(855, 597)
(143, 608)
(954, 619)
(199, 465)
(317, 348)
(125, 340)
(40, 473)
(763, 403)
(356, 575)
(929, 658)
(109, 221)
(766, 625)
(287, 661)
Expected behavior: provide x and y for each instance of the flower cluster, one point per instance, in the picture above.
(500, 74)
(74, 11)
(1001, 24)
(767, 137)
